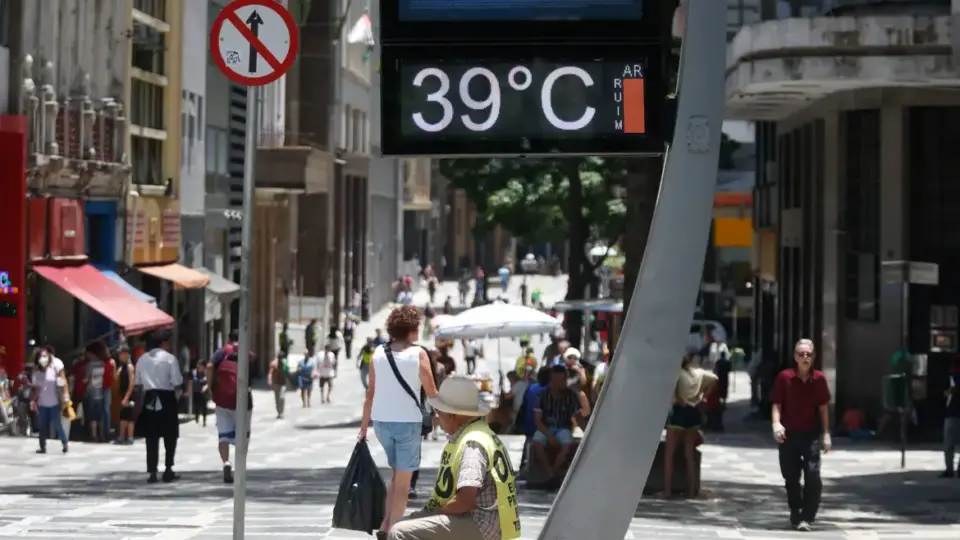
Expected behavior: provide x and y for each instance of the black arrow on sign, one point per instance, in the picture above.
(254, 21)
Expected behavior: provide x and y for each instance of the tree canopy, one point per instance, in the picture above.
(544, 199)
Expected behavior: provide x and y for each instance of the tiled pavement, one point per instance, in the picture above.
(98, 491)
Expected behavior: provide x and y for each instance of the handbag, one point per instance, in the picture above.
(427, 420)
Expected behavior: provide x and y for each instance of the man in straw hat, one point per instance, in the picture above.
(475, 496)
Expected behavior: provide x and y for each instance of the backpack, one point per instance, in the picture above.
(225, 381)
(285, 367)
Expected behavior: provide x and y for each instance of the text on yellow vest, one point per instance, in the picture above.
(501, 472)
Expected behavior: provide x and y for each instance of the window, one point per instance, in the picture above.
(357, 130)
(200, 124)
(365, 137)
(146, 107)
(148, 49)
(211, 152)
(217, 147)
(147, 160)
(4, 23)
(862, 216)
(154, 8)
(347, 138)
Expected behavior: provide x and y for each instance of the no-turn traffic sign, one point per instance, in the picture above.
(254, 42)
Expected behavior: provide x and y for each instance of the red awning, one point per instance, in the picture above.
(102, 294)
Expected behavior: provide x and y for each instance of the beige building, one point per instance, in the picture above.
(858, 114)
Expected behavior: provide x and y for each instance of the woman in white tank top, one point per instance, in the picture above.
(396, 412)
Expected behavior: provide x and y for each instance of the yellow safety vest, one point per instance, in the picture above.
(501, 469)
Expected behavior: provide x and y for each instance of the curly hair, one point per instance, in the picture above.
(402, 322)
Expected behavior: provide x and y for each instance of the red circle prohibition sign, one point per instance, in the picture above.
(280, 65)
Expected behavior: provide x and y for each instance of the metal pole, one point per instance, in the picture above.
(600, 493)
(246, 266)
(904, 349)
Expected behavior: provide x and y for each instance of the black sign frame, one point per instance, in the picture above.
(394, 143)
(652, 27)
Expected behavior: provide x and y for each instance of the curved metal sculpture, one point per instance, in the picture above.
(600, 494)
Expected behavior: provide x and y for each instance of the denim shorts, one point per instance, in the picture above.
(563, 436)
(401, 443)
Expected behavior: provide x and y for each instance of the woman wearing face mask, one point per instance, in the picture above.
(126, 377)
(51, 387)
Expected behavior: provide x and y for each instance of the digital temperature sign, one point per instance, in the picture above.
(518, 10)
(406, 22)
(535, 106)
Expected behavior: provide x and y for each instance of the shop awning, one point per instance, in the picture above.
(180, 275)
(103, 295)
(221, 286)
(115, 277)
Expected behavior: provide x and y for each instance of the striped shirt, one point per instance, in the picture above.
(558, 410)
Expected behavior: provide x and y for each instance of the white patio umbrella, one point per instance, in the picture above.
(497, 321)
(600, 251)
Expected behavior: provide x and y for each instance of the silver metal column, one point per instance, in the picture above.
(600, 494)
(243, 358)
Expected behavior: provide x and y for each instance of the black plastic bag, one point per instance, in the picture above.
(362, 496)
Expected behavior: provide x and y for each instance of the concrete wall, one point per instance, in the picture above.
(193, 111)
(80, 37)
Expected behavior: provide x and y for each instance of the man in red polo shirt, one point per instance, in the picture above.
(801, 427)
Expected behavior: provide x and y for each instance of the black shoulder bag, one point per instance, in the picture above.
(427, 417)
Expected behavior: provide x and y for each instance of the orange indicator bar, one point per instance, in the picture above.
(634, 118)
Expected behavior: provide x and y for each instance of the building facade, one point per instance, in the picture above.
(96, 87)
(855, 109)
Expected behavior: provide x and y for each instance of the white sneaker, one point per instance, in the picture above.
(803, 526)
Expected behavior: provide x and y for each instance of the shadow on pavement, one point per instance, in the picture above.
(340, 425)
(909, 498)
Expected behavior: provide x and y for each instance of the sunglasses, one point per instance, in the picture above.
(804, 354)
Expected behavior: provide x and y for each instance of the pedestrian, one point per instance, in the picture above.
(109, 380)
(306, 373)
(310, 334)
(363, 362)
(951, 421)
(393, 405)
(475, 493)
(326, 372)
(285, 341)
(277, 380)
(349, 330)
(94, 400)
(683, 426)
(334, 343)
(378, 338)
(199, 389)
(50, 381)
(800, 416)
(471, 350)
(158, 373)
(222, 377)
(126, 376)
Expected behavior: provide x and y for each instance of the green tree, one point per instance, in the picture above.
(547, 199)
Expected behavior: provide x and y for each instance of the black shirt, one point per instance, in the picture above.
(558, 410)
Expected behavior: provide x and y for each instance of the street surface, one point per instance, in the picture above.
(295, 464)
